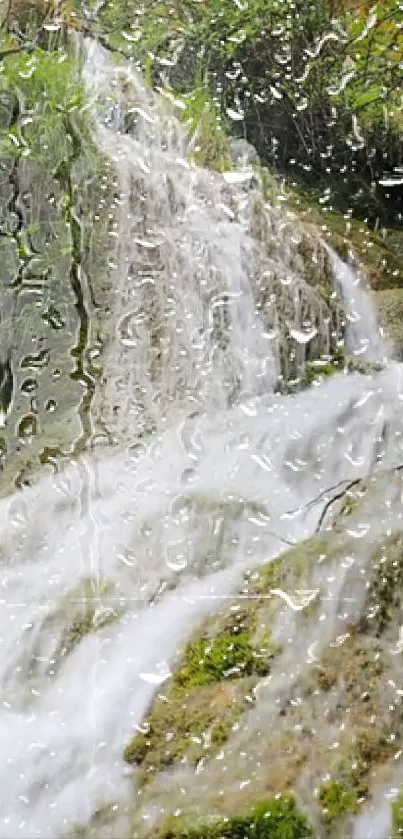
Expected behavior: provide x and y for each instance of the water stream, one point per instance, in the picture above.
(151, 535)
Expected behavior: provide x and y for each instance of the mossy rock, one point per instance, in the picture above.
(275, 818)
(353, 240)
(229, 655)
(287, 569)
(191, 724)
(207, 694)
(85, 612)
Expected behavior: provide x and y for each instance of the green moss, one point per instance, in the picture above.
(354, 672)
(337, 800)
(228, 656)
(275, 818)
(193, 724)
(397, 817)
(366, 368)
(206, 695)
(288, 568)
(91, 621)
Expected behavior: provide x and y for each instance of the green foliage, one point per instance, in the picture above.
(397, 817)
(44, 96)
(206, 133)
(324, 77)
(337, 799)
(275, 818)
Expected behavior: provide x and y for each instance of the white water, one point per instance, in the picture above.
(364, 337)
(208, 281)
(172, 524)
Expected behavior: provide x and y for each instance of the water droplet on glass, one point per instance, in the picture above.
(303, 336)
(127, 328)
(36, 361)
(135, 452)
(29, 385)
(189, 476)
(175, 559)
(19, 512)
(27, 427)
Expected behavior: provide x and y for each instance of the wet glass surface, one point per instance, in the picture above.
(201, 442)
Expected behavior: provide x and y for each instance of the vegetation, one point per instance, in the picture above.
(206, 131)
(397, 817)
(310, 84)
(354, 239)
(193, 726)
(227, 656)
(206, 696)
(337, 799)
(276, 818)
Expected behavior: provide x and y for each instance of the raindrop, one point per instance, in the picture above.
(29, 385)
(27, 427)
(299, 601)
(135, 452)
(189, 476)
(126, 328)
(19, 512)
(178, 560)
(303, 336)
(36, 361)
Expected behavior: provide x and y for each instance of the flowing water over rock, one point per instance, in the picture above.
(109, 566)
(364, 336)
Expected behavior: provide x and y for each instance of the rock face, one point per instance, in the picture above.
(57, 212)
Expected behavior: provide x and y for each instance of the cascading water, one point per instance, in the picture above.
(141, 543)
(363, 335)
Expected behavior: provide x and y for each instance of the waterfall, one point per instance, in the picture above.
(141, 542)
(187, 330)
(363, 335)
(208, 285)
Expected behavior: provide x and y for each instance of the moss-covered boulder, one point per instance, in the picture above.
(275, 818)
